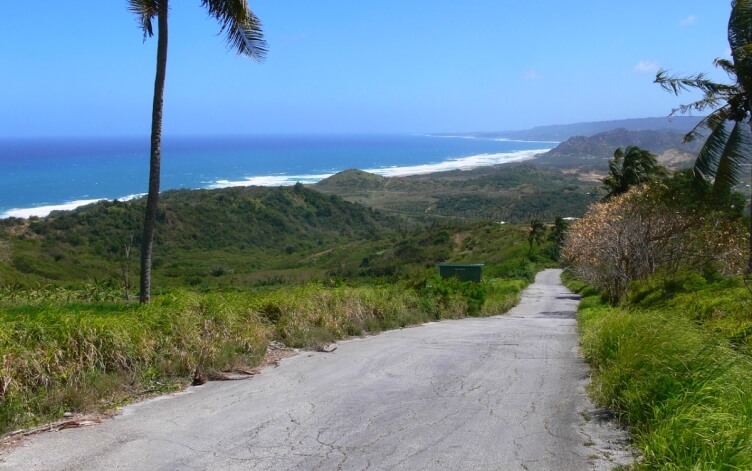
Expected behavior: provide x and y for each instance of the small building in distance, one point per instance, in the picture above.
(462, 271)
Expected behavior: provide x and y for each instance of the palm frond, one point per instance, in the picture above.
(727, 66)
(711, 153)
(740, 40)
(735, 153)
(711, 121)
(240, 25)
(676, 85)
(145, 11)
(740, 24)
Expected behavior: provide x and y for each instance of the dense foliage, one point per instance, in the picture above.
(513, 193)
(629, 167)
(203, 237)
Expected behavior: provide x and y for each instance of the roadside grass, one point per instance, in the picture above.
(502, 294)
(671, 364)
(81, 357)
(61, 351)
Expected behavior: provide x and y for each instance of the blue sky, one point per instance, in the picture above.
(81, 68)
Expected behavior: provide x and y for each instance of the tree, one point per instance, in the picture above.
(729, 141)
(243, 31)
(630, 167)
(537, 234)
(558, 234)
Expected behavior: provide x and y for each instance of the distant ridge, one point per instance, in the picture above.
(592, 153)
(562, 132)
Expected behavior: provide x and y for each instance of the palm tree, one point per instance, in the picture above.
(630, 167)
(729, 142)
(243, 31)
(537, 234)
(558, 234)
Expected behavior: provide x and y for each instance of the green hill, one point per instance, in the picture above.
(199, 233)
(347, 225)
(510, 192)
(592, 153)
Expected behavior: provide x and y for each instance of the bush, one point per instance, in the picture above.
(645, 231)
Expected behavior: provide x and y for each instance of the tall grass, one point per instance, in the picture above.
(502, 295)
(70, 356)
(684, 391)
(59, 354)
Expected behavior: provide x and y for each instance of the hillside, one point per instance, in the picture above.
(592, 153)
(199, 232)
(260, 235)
(562, 132)
(510, 192)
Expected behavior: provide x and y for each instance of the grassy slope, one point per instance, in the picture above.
(510, 192)
(60, 356)
(255, 236)
(234, 270)
(80, 356)
(674, 362)
(204, 238)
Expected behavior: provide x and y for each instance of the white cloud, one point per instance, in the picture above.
(532, 75)
(688, 21)
(646, 66)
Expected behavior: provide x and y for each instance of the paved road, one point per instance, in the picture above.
(500, 393)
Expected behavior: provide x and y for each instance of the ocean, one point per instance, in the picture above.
(38, 176)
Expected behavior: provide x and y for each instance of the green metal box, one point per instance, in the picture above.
(465, 272)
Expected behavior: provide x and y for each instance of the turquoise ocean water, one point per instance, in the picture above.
(40, 175)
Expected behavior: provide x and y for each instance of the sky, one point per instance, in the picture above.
(81, 68)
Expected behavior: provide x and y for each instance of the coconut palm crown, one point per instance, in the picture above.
(728, 145)
(243, 33)
(537, 234)
(630, 167)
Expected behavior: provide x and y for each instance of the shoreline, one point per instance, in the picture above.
(462, 163)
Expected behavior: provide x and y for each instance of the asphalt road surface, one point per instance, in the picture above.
(503, 393)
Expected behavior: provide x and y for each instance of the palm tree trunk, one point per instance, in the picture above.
(152, 200)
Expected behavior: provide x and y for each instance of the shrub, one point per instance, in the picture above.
(644, 231)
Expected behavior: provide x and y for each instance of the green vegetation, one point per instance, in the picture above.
(674, 363)
(725, 151)
(631, 167)
(669, 333)
(537, 233)
(513, 193)
(65, 355)
(73, 356)
(238, 268)
(246, 237)
(204, 239)
(664, 226)
(592, 153)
